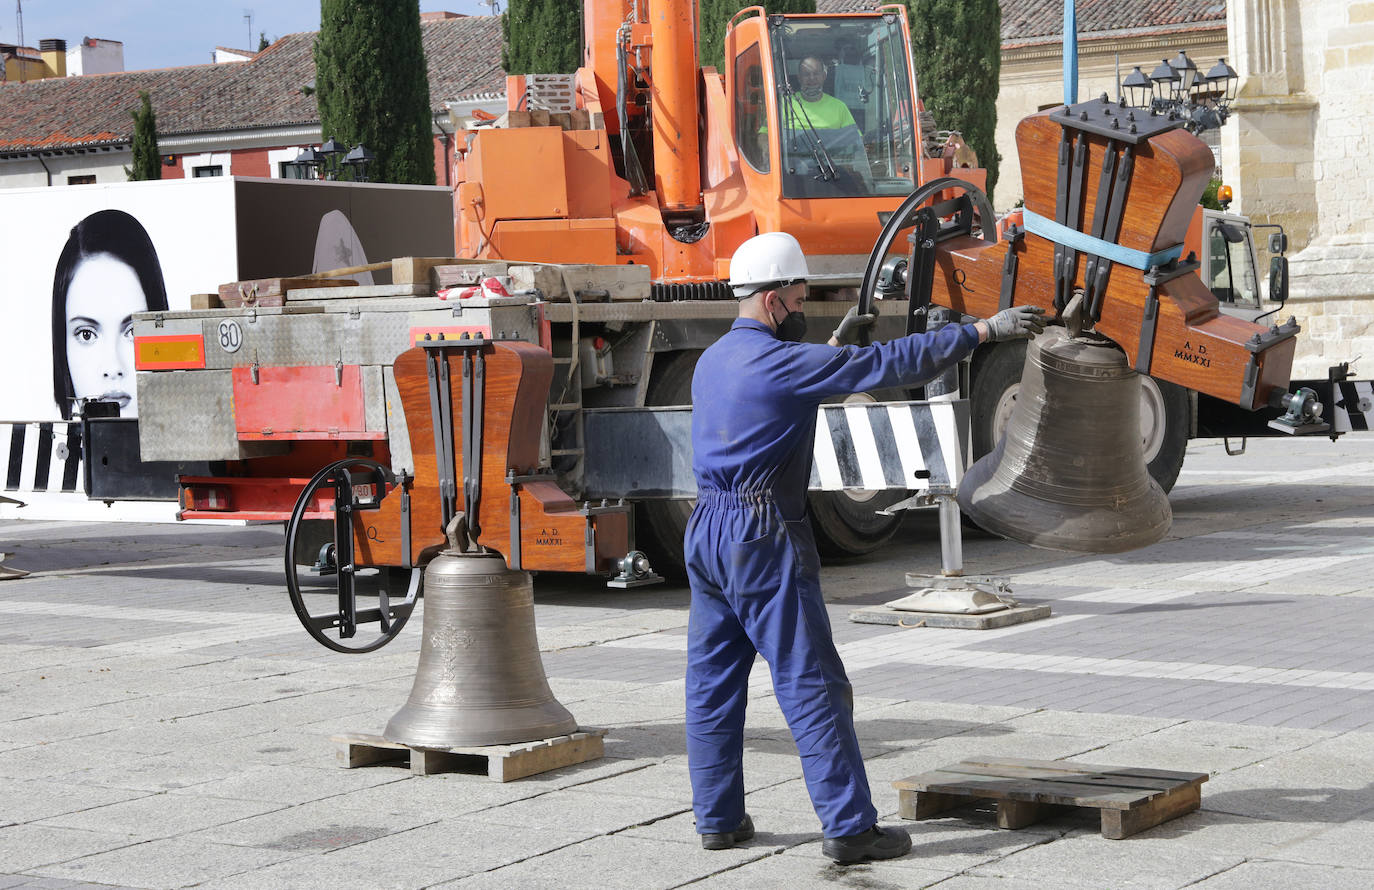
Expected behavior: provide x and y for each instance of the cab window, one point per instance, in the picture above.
(751, 113)
(1231, 265)
(842, 88)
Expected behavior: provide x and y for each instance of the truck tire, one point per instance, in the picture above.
(661, 525)
(1165, 411)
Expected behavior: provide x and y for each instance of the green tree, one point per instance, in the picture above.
(714, 15)
(541, 37)
(147, 160)
(263, 42)
(372, 85)
(957, 49)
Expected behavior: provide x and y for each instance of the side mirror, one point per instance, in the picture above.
(1278, 243)
(1278, 278)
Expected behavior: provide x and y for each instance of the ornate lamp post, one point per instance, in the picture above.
(1175, 87)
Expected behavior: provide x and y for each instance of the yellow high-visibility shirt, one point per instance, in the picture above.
(826, 113)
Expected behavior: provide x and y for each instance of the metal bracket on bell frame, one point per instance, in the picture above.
(441, 410)
(1013, 235)
(1154, 277)
(515, 480)
(1068, 208)
(591, 510)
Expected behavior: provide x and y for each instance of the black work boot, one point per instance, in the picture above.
(876, 843)
(724, 840)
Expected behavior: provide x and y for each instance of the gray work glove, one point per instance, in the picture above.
(851, 325)
(1016, 323)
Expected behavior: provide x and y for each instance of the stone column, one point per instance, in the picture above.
(1301, 158)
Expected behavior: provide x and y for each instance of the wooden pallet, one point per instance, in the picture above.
(1026, 791)
(502, 763)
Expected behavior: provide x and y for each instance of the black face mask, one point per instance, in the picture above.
(792, 328)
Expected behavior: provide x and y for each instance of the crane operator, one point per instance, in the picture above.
(751, 558)
(811, 113)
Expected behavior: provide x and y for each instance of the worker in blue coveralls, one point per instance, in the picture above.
(751, 557)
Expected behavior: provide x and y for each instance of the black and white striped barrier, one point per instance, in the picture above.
(45, 470)
(42, 456)
(909, 446)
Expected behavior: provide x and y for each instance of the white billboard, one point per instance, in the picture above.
(77, 261)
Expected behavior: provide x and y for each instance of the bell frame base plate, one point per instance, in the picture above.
(501, 763)
(987, 621)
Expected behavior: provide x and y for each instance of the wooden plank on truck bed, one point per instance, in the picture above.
(415, 269)
(368, 291)
(465, 272)
(591, 284)
(272, 291)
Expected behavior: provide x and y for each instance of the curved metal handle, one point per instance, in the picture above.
(901, 219)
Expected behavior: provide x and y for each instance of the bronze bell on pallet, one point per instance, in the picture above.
(1070, 473)
(480, 680)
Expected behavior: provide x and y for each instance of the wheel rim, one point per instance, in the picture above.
(1001, 415)
(1151, 417)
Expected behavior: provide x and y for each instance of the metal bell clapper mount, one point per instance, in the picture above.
(951, 592)
(634, 571)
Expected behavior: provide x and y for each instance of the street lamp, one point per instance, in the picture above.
(358, 161)
(331, 152)
(306, 163)
(1175, 87)
(1137, 87)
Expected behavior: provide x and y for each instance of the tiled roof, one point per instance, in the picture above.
(1042, 21)
(463, 55)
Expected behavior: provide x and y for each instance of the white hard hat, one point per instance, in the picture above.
(771, 258)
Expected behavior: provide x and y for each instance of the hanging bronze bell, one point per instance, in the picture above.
(480, 680)
(1070, 472)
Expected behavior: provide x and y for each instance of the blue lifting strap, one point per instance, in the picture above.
(1061, 234)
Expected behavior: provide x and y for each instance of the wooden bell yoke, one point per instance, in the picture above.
(1109, 192)
(474, 410)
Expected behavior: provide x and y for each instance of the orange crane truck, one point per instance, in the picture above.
(637, 177)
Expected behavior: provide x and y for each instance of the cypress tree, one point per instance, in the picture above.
(372, 86)
(541, 37)
(957, 50)
(147, 162)
(714, 15)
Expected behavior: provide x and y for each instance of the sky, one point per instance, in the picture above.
(164, 33)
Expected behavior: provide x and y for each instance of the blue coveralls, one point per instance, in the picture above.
(753, 566)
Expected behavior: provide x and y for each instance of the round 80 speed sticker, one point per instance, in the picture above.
(230, 335)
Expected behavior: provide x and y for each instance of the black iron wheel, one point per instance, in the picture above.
(330, 609)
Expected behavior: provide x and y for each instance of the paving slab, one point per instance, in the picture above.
(1085, 859)
(169, 863)
(160, 815)
(804, 873)
(1248, 875)
(587, 865)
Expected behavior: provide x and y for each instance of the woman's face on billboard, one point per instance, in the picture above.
(104, 294)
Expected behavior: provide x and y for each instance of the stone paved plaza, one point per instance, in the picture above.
(165, 722)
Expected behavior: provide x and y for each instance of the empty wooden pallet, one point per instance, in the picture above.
(502, 763)
(1026, 791)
